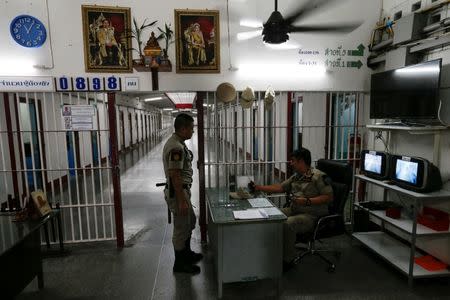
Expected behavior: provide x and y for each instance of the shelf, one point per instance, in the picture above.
(411, 129)
(394, 252)
(404, 224)
(439, 195)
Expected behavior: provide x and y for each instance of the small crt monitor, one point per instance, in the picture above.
(415, 173)
(374, 164)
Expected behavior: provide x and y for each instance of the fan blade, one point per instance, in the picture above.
(251, 24)
(342, 27)
(307, 8)
(247, 35)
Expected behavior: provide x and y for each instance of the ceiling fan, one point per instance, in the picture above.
(277, 28)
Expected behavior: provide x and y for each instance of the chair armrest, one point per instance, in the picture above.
(324, 220)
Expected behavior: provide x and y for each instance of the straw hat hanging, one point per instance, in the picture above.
(225, 92)
(269, 97)
(247, 97)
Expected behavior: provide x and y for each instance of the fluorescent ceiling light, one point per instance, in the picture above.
(251, 23)
(168, 109)
(153, 99)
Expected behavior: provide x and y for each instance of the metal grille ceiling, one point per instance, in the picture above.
(182, 99)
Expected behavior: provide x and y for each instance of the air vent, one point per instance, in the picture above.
(435, 18)
(416, 6)
(397, 15)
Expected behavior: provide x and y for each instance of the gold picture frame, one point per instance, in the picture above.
(107, 39)
(40, 202)
(197, 41)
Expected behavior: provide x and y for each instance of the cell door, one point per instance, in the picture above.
(69, 164)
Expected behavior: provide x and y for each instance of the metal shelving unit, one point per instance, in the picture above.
(396, 252)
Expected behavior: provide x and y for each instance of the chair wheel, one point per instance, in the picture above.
(331, 269)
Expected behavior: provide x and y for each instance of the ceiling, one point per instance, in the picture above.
(162, 100)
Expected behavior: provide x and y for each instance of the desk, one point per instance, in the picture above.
(244, 250)
(20, 253)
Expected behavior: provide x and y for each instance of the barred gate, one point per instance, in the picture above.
(73, 168)
(257, 140)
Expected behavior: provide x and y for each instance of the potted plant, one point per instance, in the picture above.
(136, 33)
(166, 34)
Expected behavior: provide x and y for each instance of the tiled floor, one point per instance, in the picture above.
(143, 269)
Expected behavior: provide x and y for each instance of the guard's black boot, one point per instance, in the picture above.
(191, 256)
(183, 265)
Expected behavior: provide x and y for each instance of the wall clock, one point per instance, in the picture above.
(28, 31)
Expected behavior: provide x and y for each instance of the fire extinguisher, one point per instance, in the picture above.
(354, 144)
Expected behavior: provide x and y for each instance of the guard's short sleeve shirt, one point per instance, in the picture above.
(175, 158)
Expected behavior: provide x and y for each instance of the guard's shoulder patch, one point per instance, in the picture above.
(176, 155)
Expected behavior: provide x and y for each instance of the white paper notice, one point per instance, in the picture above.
(260, 202)
(78, 117)
(250, 214)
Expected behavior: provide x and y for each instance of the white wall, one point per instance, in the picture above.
(258, 65)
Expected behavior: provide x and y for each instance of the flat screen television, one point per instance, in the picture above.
(407, 93)
(375, 164)
(415, 173)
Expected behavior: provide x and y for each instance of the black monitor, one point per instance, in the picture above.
(407, 93)
(415, 173)
(375, 164)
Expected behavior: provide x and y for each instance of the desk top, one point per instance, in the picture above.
(221, 208)
(12, 233)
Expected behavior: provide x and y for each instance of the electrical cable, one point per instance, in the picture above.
(380, 137)
(44, 67)
(230, 68)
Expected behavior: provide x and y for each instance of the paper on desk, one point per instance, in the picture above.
(273, 211)
(260, 202)
(250, 214)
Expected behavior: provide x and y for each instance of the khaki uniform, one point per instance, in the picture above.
(176, 155)
(301, 219)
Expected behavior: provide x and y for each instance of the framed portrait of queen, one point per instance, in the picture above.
(107, 39)
(197, 41)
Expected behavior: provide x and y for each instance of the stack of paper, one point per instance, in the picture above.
(260, 202)
(250, 214)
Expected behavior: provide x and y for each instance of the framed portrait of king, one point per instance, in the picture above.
(197, 41)
(107, 39)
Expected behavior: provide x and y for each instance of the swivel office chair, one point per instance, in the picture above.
(339, 175)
